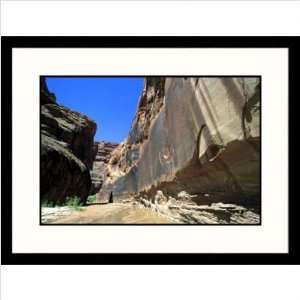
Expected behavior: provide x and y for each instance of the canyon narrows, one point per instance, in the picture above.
(192, 155)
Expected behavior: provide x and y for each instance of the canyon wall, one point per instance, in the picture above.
(102, 151)
(198, 135)
(66, 150)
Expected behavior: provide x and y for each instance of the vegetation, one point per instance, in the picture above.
(73, 202)
(47, 203)
(91, 199)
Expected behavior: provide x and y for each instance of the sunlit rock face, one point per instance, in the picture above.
(66, 151)
(199, 135)
(102, 153)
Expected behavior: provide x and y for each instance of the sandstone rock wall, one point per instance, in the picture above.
(66, 150)
(199, 135)
(102, 152)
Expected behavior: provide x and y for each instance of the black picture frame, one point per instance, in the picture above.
(9, 43)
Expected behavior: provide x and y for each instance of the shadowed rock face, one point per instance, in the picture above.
(66, 150)
(102, 152)
(199, 135)
(45, 96)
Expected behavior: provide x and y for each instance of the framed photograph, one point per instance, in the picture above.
(147, 150)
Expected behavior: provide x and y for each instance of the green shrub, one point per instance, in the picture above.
(73, 202)
(47, 203)
(91, 199)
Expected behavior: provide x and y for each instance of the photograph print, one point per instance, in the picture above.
(159, 150)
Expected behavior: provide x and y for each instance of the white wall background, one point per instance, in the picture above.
(151, 282)
(150, 17)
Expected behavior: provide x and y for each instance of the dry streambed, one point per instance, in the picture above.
(50, 214)
(145, 212)
(114, 213)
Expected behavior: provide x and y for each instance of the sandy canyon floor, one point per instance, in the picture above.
(133, 213)
(114, 213)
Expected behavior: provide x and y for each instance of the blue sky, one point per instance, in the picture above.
(110, 102)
